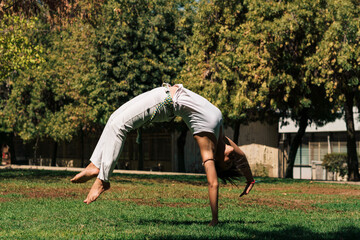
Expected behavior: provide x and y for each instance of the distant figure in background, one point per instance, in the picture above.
(6, 156)
(221, 157)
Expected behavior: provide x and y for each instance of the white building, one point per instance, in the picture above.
(317, 142)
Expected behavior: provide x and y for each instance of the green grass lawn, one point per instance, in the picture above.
(45, 205)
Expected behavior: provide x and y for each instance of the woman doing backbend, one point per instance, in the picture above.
(221, 157)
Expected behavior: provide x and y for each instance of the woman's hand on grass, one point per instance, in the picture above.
(248, 188)
(213, 222)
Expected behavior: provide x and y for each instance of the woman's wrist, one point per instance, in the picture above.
(251, 181)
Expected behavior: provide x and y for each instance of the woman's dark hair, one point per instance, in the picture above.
(233, 173)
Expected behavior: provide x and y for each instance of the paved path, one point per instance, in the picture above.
(72, 169)
(339, 182)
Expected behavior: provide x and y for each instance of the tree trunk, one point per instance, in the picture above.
(35, 152)
(236, 132)
(82, 148)
(141, 154)
(12, 148)
(54, 154)
(181, 140)
(295, 145)
(352, 158)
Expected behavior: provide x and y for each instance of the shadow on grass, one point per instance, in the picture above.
(33, 174)
(189, 222)
(290, 232)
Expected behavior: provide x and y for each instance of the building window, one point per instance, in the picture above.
(302, 155)
(324, 149)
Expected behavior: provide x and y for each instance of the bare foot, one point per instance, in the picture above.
(88, 173)
(97, 188)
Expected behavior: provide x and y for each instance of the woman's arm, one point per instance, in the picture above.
(246, 171)
(244, 168)
(213, 186)
(244, 164)
(207, 143)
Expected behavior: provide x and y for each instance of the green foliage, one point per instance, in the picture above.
(91, 63)
(336, 163)
(217, 65)
(67, 80)
(51, 100)
(286, 37)
(17, 53)
(335, 66)
(16, 49)
(336, 63)
(248, 58)
(71, 69)
(140, 45)
(259, 170)
(57, 13)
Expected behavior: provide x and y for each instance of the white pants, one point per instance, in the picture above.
(129, 116)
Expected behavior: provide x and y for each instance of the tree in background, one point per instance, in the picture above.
(67, 65)
(54, 97)
(336, 67)
(289, 33)
(248, 58)
(222, 64)
(139, 47)
(50, 100)
(17, 53)
(57, 13)
(96, 58)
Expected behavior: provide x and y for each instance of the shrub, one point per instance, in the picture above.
(259, 170)
(336, 163)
